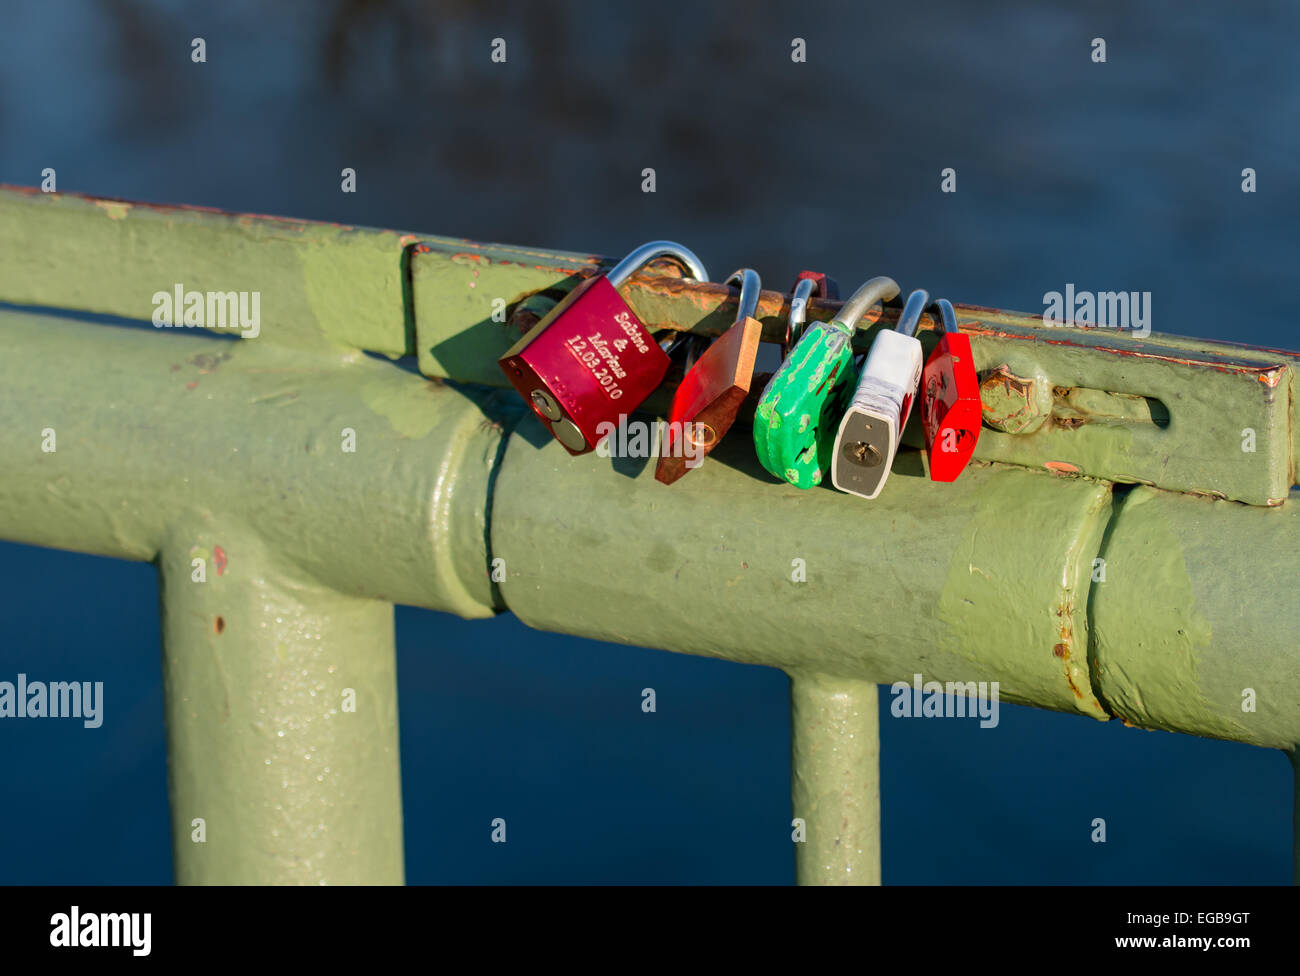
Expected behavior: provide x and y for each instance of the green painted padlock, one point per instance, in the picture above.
(799, 412)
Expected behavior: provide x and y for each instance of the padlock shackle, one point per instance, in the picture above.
(750, 288)
(655, 249)
(808, 283)
(880, 289)
(942, 310)
(910, 317)
(803, 289)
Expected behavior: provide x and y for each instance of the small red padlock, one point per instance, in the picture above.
(714, 388)
(950, 398)
(590, 361)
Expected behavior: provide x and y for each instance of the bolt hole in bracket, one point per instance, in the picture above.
(1026, 404)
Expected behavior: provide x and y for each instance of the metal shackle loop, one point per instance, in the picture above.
(750, 287)
(648, 252)
(803, 290)
(942, 310)
(876, 290)
(807, 284)
(910, 317)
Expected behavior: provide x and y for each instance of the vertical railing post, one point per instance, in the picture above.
(281, 707)
(835, 779)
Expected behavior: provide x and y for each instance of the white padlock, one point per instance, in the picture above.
(873, 424)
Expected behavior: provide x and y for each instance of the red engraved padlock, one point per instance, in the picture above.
(590, 361)
(950, 398)
(714, 388)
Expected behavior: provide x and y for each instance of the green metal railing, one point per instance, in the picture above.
(172, 444)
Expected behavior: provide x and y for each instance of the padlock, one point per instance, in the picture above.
(590, 361)
(950, 398)
(794, 426)
(874, 421)
(714, 387)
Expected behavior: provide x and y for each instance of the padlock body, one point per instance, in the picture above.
(587, 363)
(706, 402)
(797, 415)
(869, 432)
(951, 413)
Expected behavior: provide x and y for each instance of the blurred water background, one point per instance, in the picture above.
(1122, 175)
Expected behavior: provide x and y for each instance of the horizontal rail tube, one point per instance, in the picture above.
(353, 472)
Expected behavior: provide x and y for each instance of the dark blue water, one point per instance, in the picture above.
(1123, 175)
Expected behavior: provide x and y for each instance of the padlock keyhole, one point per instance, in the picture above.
(862, 453)
(544, 405)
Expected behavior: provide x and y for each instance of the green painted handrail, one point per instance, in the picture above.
(174, 443)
